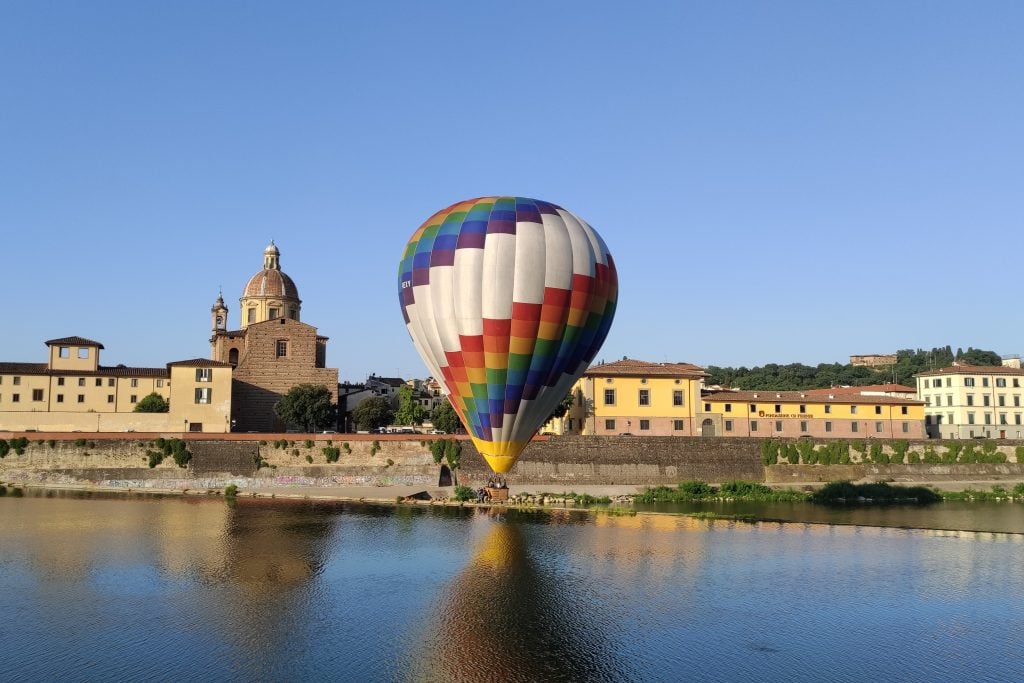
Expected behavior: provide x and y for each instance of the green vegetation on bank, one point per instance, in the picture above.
(690, 491)
(881, 452)
(844, 492)
(796, 376)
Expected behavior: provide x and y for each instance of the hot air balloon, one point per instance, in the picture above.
(507, 300)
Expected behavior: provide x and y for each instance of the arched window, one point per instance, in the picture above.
(233, 356)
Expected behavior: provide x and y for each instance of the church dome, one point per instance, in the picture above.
(271, 282)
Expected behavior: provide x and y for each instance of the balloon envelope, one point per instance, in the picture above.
(508, 300)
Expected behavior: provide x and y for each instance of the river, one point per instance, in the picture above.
(106, 587)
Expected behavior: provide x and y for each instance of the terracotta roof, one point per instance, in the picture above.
(270, 282)
(890, 388)
(803, 397)
(973, 370)
(630, 367)
(73, 341)
(199, 363)
(103, 371)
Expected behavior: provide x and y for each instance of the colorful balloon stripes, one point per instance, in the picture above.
(508, 300)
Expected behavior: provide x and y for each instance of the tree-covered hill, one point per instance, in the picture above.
(799, 376)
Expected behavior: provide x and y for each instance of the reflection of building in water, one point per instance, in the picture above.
(506, 618)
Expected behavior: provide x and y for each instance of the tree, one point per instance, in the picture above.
(445, 418)
(373, 413)
(152, 403)
(307, 406)
(409, 412)
(453, 454)
(563, 407)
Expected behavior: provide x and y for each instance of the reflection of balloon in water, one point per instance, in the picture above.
(508, 300)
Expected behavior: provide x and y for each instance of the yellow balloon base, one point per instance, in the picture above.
(500, 456)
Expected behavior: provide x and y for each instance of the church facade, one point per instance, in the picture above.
(272, 350)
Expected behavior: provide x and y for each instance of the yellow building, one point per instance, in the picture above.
(793, 414)
(970, 401)
(73, 392)
(631, 396)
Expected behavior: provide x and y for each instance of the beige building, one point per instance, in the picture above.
(72, 391)
(973, 401)
(272, 351)
(873, 360)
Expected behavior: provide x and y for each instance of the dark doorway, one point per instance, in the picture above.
(445, 478)
(233, 356)
(707, 428)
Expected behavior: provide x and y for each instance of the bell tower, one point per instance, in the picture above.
(219, 315)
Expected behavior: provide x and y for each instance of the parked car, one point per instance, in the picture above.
(438, 431)
(328, 431)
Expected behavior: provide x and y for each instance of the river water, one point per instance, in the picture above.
(104, 587)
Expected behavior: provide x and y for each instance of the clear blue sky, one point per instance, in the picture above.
(783, 181)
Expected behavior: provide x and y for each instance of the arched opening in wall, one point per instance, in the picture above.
(233, 356)
(445, 478)
(707, 427)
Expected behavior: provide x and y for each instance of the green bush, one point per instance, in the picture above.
(390, 462)
(295, 452)
(81, 442)
(263, 443)
(845, 492)
(309, 459)
(463, 493)
(374, 448)
(792, 454)
(930, 456)
(1019, 453)
(230, 491)
(308, 443)
(345, 447)
(1018, 490)
(51, 443)
(5, 448)
(805, 448)
(914, 458)
(769, 452)
(697, 489)
(331, 453)
(154, 458)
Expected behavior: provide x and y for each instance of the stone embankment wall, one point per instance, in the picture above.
(561, 462)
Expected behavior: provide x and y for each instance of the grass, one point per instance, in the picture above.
(691, 491)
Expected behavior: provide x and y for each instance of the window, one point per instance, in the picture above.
(853, 427)
(677, 398)
(753, 425)
(1000, 382)
(938, 400)
(878, 410)
(133, 398)
(803, 425)
(938, 419)
(609, 425)
(778, 407)
(15, 398)
(906, 427)
(16, 381)
(204, 374)
(81, 398)
(949, 381)
(37, 394)
(970, 399)
(984, 381)
(828, 408)
(925, 384)
(1002, 418)
(274, 313)
(159, 382)
(968, 381)
(1016, 382)
(110, 398)
(903, 410)
(677, 425)
(609, 397)
(828, 427)
(988, 418)
(707, 407)
(728, 425)
(83, 352)
(985, 400)
(99, 381)
(1001, 400)
(728, 407)
(110, 381)
(60, 381)
(879, 426)
(81, 381)
(65, 352)
(778, 426)
(970, 418)
(203, 394)
(60, 398)
(135, 382)
(1016, 419)
(753, 407)
(1016, 401)
(252, 315)
(282, 348)
(803, 408)
(645, 397)
(645, 425)
(853, 410)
